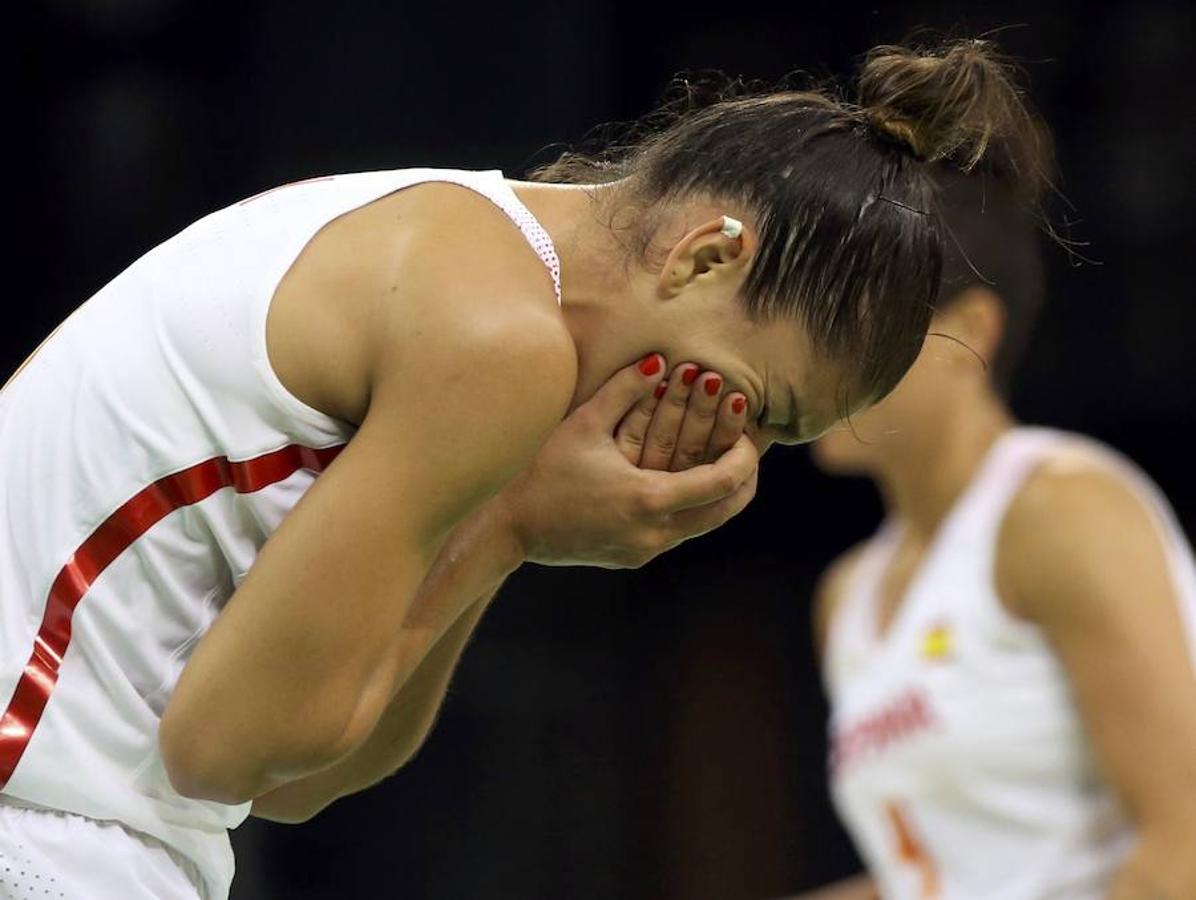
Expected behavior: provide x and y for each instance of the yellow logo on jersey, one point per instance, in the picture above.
(937, 644)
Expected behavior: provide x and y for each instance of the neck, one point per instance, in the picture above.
(923, 480)
(594, 293)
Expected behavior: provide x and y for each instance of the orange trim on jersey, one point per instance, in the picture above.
(134, 518)
(911, 852)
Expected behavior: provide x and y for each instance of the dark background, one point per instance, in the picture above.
(647, 734)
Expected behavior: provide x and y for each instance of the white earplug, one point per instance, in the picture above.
(732, 228)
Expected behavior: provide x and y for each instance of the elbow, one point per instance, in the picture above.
(200, 768)
(290, 817)
(216, 788)
(196, 781)
(277, 806)
(207, 761)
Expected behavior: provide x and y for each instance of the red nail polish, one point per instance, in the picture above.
(713, 385)
(650, 364)
(689, 375)
(737, 405)
(660, 389)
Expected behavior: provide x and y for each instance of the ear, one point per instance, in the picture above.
(707, 255)
(977, 317)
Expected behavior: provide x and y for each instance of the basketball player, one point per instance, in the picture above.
(1009, 658)
(194, 624)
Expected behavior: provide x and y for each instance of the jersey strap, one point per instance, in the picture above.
(494, 188)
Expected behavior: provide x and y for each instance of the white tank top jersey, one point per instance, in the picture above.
(959, 763)
(148, 452)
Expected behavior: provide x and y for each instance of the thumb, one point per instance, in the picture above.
(624, 389)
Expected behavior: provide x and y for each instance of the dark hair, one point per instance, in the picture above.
(849, 238)
(992, 241)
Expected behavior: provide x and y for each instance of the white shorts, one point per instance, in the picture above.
(50, 855)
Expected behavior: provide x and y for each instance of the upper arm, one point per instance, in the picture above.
(1082, 556)
(829, 592)
(463, 389)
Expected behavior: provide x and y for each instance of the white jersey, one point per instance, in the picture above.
(148, 450)
(959, 762)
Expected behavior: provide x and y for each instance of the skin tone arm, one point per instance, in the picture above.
(302, 662)
(830, 590)
(626, 527)
(399, 733)
(1082, 557)
(349, 630)
(458, 375)
(306, 656)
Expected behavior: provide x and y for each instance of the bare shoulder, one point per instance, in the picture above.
(1076, 522)
(422, 277)
(450, 233)
(467, 271)
(830, 590)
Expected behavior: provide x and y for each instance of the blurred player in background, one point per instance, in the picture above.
(1009, 660)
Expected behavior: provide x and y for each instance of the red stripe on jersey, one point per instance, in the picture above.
(115, 534)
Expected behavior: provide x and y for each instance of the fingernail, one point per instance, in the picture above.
(660, 389)
(713, 385)
(737, 405)
(689, 375)
(650, 364)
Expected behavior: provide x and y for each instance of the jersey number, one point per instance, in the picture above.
(911, 852)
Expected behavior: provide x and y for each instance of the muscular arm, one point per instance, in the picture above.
(463, 382)
(602, 511)
(1081, 556)
(458, 380)
(399, 733)
(308, 653)
(469, 564)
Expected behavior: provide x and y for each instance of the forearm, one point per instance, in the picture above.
(471, 566)
(443, 615)
(395, 740)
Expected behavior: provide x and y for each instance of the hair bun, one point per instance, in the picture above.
(958, 103)
(898, 130)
